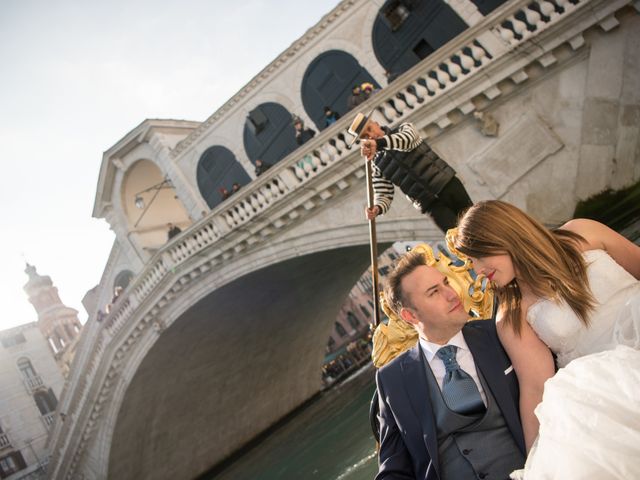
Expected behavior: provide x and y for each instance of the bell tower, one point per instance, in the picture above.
(58, 323)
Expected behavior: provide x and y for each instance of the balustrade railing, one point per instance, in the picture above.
(519, 22)
(48, 419)
(33, 382)
(533, 18)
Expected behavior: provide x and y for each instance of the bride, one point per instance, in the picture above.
(574, 292)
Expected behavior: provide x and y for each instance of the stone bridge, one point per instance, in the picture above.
(224, 330)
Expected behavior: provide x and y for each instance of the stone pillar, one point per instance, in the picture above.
(627, 155)
(190, 199)
(600, 113)
(124, 240)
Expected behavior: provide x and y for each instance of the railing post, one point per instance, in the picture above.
(289, 179)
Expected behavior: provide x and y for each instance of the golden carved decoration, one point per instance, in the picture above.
(397, 336)
(392, 338)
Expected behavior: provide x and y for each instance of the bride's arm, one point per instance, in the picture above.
(533, 364)
(597, 235)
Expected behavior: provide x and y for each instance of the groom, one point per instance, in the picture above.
(448, 406)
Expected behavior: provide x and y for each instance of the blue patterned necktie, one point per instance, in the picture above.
(459, 391)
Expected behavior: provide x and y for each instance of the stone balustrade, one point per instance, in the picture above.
(444, 82)
(48, 419)
(33, 382)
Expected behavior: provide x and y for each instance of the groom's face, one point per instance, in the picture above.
(431, 305)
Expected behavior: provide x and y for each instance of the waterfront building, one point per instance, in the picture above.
(534, 102)
(34, 357)
(356, 314)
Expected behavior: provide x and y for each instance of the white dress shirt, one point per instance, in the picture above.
(463, 357)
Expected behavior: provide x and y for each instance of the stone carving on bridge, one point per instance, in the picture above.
(487, 124)
(397, 336)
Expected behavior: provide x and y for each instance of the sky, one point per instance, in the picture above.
(75, 77)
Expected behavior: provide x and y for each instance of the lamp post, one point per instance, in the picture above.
(138, 198)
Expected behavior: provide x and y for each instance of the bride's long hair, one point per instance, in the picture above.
(549, 262)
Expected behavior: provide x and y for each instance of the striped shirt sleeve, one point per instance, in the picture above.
(382, 190)
(404, 140)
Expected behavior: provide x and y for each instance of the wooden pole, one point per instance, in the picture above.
(373, 242)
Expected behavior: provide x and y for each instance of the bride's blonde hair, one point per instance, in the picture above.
(550, 262)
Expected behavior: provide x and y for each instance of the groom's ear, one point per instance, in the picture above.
(407, 315)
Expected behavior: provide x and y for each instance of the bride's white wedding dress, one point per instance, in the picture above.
(590, 412)
(615, 320)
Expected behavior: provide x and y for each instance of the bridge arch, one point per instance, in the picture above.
(266, 329)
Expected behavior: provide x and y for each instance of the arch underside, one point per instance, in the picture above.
(232, 365)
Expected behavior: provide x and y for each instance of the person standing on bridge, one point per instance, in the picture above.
(401, 157)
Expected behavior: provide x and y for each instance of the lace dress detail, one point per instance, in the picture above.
(614, 321)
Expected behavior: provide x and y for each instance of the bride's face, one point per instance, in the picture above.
(497, 268)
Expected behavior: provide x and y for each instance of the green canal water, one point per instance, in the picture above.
(329, 439)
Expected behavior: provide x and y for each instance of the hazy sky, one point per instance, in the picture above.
(75, 77)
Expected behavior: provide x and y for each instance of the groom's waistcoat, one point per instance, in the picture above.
(475, 446)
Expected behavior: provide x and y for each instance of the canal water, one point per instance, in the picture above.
(328, 439)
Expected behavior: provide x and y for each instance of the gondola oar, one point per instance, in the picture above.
(358, 124)
(373, 243)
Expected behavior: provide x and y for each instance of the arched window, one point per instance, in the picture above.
(27, 370)
(150, 202)
(11, 463)
(366, 311)
(218, 168)
(123, 279)
(269, 134)
(328, 82)
(340, 330)
(353, 320)
(46, 401)
(69, 331)
(407, 31)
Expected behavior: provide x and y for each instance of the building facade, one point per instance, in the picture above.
(356, 315)
(31, 382)
(34, 359)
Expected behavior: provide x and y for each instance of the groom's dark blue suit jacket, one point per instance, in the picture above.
(408, 440)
